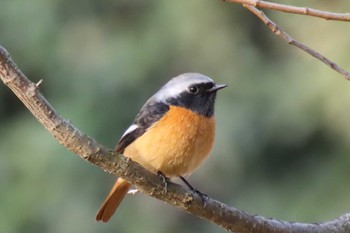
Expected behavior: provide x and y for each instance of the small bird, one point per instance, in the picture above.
(171, 135)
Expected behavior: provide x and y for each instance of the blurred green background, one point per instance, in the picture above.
(282, 146)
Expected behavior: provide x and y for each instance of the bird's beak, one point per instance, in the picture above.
(217, 87)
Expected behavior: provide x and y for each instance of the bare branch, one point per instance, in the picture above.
(285, 36)
(295, 10)
(230, 218)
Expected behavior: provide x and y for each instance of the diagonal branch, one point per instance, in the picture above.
(295, 10)
(285, 36)
(230, 218)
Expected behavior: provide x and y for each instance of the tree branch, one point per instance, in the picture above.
(295, 10)
(285, 36)
(252, 4)
(230, 218)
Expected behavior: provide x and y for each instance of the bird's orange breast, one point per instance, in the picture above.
(176, 145)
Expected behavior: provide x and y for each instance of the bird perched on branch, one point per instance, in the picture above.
(171, 135)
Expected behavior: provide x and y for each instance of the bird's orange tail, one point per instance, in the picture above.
(110, 205)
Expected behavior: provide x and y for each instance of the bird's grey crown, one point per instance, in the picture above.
(175, 86)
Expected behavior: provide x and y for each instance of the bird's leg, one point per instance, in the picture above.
(203, 196)
(165, 180)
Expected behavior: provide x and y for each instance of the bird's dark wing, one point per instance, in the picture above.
(149, 114)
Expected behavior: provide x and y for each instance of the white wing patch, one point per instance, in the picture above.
(130, 129)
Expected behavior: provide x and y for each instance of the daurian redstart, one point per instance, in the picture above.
(171, 135)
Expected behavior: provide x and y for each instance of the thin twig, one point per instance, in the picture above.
(295, 10)
(285, 36)
(230, 218)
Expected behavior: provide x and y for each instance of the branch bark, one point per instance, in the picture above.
(87, 148)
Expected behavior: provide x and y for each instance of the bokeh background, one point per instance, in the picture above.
(282, 147)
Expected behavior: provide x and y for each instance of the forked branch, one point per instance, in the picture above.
(277, 30)
(285, 36)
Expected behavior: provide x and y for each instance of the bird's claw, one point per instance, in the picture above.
(165, 181)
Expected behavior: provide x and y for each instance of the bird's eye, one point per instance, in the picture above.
(193, 89)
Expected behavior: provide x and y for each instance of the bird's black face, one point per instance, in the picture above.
(199, 98)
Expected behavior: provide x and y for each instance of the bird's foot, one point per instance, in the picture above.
(165, 181)
(203, 196)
